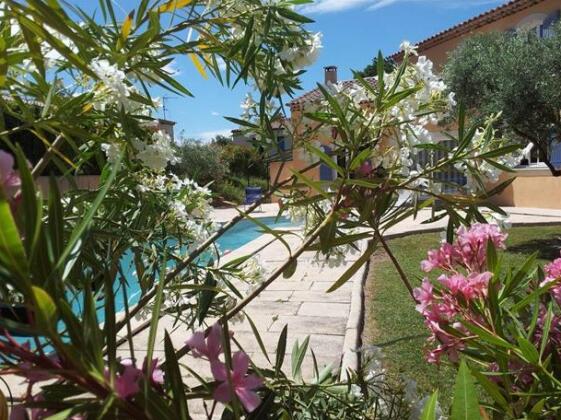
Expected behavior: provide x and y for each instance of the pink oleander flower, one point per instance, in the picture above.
(553, 274)
(18, 412)
(156, 374)
(521, 373)
(443, 258)
(209, 347)
(242, 384)
(423, 295)
(448, 344)
(9, 178)
(553, 269)
(365, 169)
(472, 244)
(126, 382)
(471, 287)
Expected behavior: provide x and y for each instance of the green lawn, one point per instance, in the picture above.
(391, 320)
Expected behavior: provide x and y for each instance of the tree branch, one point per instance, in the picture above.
(46, 158)
(400, 271)
(201, 248)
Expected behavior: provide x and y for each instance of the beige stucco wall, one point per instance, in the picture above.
(81, 182)
(298, 162)
(531, 188)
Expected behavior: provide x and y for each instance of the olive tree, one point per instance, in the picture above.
(517, 75)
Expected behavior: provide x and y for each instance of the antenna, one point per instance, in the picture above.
(164, 106)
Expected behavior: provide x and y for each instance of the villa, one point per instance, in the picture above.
(528, 15)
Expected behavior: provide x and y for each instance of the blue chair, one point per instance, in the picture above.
(252, 195)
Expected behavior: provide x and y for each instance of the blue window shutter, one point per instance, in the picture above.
(546, 28)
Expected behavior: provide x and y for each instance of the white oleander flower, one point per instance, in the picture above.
(408, 48)
(253, 273)
(114, 85)
(501, 220)
(303, 56)
(158, 154)
(112, 151)
(248, 106)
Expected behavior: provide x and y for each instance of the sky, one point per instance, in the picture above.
(353, 32)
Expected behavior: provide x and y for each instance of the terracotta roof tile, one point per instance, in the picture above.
(315, 95)
(490, 16)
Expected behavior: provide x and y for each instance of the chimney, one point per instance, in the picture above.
(330, 74)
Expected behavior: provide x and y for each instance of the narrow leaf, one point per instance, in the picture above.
(465, 405)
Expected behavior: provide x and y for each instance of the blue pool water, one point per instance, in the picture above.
(242, 233)
(246, 231)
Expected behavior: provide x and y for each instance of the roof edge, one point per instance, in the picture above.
(476, 22)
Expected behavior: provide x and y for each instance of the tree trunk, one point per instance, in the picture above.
(538, 143)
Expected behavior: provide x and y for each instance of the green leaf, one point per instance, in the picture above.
(345, 277)
(293, 16)
(173, 5)
(546, 328)
(290, 269)
(12, 253)
(56, 220)
(156, 310)
(297, 357)
(528, 350)
(523, 273)
(258, 337)
(281, 349)
(380, 64)
(493, 390)
(488, 336)
(491, 256)
(465, 405)
(206, 296)
(73, 244)
(360, 159)
(315, 186)
(173, 378)
(326, 159)
(429, 410)
(45, 309)
(3, 61)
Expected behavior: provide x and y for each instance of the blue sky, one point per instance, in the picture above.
(353, 32)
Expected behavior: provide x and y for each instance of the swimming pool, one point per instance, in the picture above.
(246, 231)
(240, 234)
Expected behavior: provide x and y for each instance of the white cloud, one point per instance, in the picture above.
(171, 69)
(215, 114)
(206, 136)
(328, 6)
(221, 63)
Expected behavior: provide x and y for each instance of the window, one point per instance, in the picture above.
(282, 151)
(547, 27)
(534, 158)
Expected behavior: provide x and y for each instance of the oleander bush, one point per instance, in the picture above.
(70, 261)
